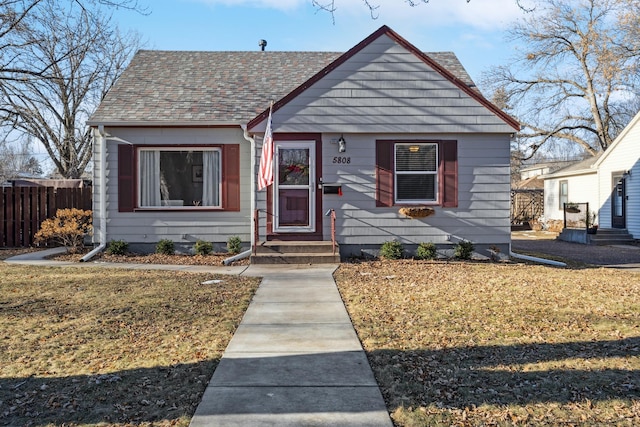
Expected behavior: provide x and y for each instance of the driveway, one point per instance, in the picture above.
(620, 256)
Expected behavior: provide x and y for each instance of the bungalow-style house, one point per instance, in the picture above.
(608, 182)
(361, 134)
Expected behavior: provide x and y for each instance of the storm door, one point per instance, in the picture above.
(294, 187)
(618, 199)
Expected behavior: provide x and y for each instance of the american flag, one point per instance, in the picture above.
(265, 174)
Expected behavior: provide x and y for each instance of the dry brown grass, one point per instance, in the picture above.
(119, 347)
(469, 344)
(478, 344)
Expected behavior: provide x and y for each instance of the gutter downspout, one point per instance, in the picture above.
(245, 254)
(234, 258)
(536, 259)
(102, 137)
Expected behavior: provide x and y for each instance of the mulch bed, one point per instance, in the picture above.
(177, 259)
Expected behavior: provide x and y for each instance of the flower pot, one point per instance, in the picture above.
(417, 212)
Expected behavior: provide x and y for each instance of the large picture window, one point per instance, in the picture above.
(175, 178)
(416, 169)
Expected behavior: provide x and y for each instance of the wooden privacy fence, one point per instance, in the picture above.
(24, 208)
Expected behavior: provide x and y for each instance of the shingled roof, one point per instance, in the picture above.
(577, 168)
(209, 88)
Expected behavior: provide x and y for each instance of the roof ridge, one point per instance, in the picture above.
(186, 51)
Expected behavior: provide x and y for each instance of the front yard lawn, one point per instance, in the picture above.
(484, 344)
(83, 346)
(451, 343)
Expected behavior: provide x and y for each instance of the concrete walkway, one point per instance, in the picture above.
(295, 359)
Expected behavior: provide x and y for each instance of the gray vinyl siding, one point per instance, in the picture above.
(482, 215)
(184, 228)
(386, 89)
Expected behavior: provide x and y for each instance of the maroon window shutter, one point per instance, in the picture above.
(384, 173)
(449, 174)
(126, 167)
(231, 177)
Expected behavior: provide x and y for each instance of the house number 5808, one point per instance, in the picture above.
(342, 160)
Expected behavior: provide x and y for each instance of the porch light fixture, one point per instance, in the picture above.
(414, 148)
(342, 144)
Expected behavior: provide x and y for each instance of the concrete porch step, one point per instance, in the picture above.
(610, 236)
(300, 258)
(295, 252)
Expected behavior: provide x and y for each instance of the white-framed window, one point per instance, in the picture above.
(416, 172)
(174, 177)
(564, 193)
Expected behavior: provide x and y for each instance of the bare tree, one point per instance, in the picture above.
(575, 77)
(16, 159)
(17, 19)
(80, 56)
(372, 5)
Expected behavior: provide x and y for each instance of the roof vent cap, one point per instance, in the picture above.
(262, 43)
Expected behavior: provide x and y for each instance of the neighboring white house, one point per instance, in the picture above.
(539, 169)
(610, 183)
(619, 181)
(366, 132)
(575, 183)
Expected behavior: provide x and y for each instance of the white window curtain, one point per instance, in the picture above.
(211, 178)
(149, 178)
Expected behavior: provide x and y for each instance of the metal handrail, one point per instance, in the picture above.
(256, 231)
(333, 230)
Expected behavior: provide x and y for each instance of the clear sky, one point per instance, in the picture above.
(474, 30)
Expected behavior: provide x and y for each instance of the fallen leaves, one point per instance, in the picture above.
(498, 344)
(153, 258)
(118, 347)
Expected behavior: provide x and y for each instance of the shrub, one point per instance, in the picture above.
(391, 250)
(464, 249)
(203, 248)
(117, 247)
(234, 245)
(426, 251)
(165, 247)
(68, 228)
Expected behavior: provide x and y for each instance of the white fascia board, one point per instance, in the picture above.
(589, 171)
